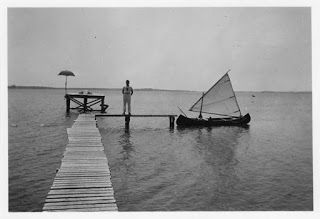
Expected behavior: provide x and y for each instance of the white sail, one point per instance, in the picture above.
(220, 100)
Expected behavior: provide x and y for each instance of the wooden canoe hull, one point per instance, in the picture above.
(241, 121)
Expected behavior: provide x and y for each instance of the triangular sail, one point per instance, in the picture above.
(220, 100)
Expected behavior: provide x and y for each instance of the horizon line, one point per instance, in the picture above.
(155, 89)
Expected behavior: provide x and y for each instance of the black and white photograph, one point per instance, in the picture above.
(174, 108)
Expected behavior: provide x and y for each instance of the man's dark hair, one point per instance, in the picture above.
(127, 81)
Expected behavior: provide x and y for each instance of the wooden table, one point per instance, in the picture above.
(84, 102)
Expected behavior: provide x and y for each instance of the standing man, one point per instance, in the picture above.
(127, 91)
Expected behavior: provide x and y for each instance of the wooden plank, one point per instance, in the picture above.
(83, 172)
(75, 168)
(86, 141)
(82, 209)
(89, 154)
(85, 149)
(65, 182)
(82, 178)
(67, 175)
(74, 199)
(98, 161)
(71, 157)
(83, 175)
(100, 165)
(92, 153)
(80, 190)
(84, 204)
(104, 177)
(78, 173)
(81, 195)
(100, 173)
(85, 163)
(69, 165)
(75, 158)
(80, 186)
(79, 204)
(93, 131)
(94, 169)
(79, 144)
(75, 171)
(81, 183)
(104, 174)
(89, 147)
(93, 164)
(81, 133)
(88, 170)
(85, 210)
(109, 205)
(84, 154)
(82, 138)
(76, 181)
(77, 191)
(101, 180)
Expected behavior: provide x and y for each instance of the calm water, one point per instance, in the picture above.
(267, 166)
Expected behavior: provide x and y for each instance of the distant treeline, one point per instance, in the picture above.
(78, 88)
(139, 89)
(31, 87)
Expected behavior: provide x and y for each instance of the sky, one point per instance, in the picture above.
(267, 49)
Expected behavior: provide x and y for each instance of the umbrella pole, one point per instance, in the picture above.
(65, 86)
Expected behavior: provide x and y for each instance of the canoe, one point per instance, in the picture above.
(231, 121)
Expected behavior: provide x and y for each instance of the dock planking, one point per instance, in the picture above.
(83, 182)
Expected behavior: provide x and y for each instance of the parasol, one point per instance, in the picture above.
(66, 73)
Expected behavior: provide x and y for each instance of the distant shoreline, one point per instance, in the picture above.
(79, 88)
(138, 89)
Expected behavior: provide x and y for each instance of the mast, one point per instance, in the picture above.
(235, 98)
(200, 115)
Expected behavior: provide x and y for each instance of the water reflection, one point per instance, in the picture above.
(216, 147)
(125, 142)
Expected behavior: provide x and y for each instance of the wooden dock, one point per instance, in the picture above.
(83, 181)
(127, 117)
